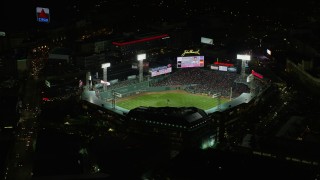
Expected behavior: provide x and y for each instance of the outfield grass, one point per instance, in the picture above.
(171, 100)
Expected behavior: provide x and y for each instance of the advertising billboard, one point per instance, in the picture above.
(43, 14)
(214, 67)
(232, 69)
(160, 70)
(258, 75)
(206, 40)
(223, 64)
(223, 68)
(190, 61)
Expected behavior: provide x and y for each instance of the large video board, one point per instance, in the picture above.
(190, 61)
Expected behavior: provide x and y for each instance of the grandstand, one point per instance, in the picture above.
(205, 81)
(192, 80)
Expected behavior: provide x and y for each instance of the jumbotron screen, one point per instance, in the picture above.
(190, 61)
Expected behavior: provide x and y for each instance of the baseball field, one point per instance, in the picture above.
(176, 98)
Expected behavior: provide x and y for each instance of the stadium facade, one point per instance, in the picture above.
(182, 127)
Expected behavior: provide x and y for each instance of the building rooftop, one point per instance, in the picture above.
(186, 116)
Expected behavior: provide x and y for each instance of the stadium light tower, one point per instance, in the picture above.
(105, 66)
(244, 59)
(140, 58)
(88, 81)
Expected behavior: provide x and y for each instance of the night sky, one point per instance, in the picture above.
(20, 15)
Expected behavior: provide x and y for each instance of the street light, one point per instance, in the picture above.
(140, 58)
(104, 67)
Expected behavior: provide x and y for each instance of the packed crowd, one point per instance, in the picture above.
(197, 80)
(118, 84)
(125, 83)
(205, 81)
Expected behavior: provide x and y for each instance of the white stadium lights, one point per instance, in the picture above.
(268, 52)
(244, 57)
(141, 57)
(105, 65)
(104, 82)
(250, 78)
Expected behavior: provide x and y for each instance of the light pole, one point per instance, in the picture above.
(244, 59)
(88, 81)
(140, 58)
(105, 67)
(250, 81)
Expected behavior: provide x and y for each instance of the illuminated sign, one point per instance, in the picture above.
(256, 74)
(160, 70)
(223, 68)
(214, 67)
(232, 69)
(190, 61)
(190, 52)
(43, 14)
(223, 64)
(206, 40)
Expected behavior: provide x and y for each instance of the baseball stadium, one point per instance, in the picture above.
(205, 89)
(168, 101)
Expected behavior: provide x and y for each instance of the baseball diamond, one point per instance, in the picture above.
(170, 98)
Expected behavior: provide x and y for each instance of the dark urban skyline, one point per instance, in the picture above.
(170, 116)
(22, 15)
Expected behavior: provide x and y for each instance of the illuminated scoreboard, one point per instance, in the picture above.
(190, 61)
